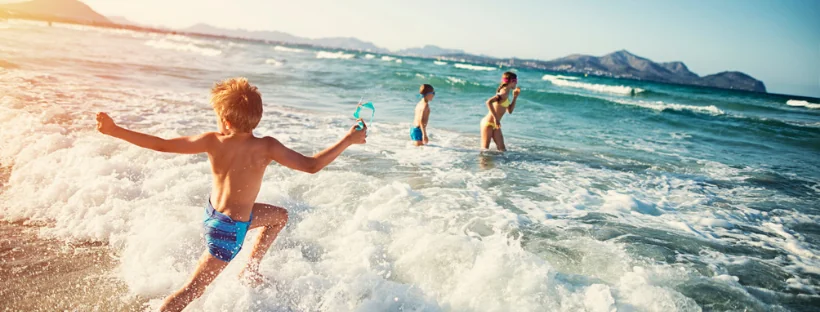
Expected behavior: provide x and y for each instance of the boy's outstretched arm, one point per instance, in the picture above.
(182, 145)
(296, 161)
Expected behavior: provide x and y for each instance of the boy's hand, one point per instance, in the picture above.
(516, 92)
(105, 124)
(358, 136)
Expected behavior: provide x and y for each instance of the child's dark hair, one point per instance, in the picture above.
(425, 88)
(509, 77)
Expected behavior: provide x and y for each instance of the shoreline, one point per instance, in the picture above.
(46, 274)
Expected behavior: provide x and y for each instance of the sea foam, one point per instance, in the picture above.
(800, 103)
(567, 81)
(473, 67)
(334, 55)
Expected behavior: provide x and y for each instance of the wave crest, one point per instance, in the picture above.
(566, 81)
(287, 49)
(799, 103)
(334, 55)
(274, 62)
(184, 47)
(661, 106)
(473, 67)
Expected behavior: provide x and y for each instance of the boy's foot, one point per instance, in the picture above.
(251, 277)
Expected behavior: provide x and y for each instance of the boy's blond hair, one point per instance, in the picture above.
(238, 102)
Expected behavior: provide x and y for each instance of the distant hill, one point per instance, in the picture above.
(428, 51)
(341, 43)
(347, 43)
(623, 64)
(63, 9)
(734, 80)
(680, 69)
(247, 34)
(122, 20)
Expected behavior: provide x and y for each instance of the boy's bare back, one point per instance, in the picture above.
(238, 164)
(422, 113)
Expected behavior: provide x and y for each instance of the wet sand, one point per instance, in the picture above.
(5, 173)
(39, 274)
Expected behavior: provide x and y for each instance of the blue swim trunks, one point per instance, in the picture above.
(223, 235)
(415, 134)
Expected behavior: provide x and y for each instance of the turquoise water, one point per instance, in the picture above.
(615, 194)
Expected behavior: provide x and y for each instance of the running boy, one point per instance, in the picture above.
(238, 162)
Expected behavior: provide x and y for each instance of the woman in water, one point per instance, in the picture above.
(497, 106)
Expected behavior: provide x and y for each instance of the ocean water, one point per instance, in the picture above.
(615, 194)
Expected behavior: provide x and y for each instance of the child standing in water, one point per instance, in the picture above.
(238, 162)
(497, 106)
(418, 134)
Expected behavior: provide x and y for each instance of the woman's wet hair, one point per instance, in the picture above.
(501, 86)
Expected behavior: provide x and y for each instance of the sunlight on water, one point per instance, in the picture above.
(663, 199)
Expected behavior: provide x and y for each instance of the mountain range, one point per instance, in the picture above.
(428, 51)
(121, 20)
(619, 64)
(623, 64)
(265, 35)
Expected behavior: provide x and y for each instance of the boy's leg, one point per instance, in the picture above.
(271, 219)
(206, 271)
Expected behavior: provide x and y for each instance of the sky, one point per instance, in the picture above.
(777, 42)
